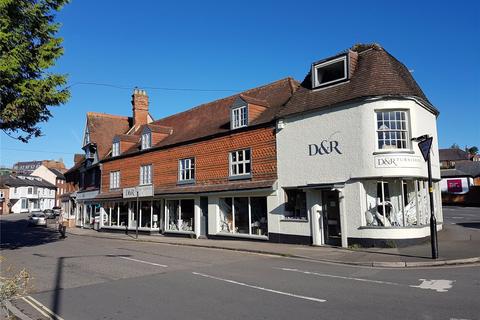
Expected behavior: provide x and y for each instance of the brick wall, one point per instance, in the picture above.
(211, 160)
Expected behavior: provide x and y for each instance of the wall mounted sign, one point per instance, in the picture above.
(325, 147)
(143, 191)
(454, 185)
(397, 161)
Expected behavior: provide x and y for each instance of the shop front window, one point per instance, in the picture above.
(243, 215)
(123, 214)
(395, 203)
(295, 204)
(114, 214)
(181, 215)
(157, 214)
(146, 214)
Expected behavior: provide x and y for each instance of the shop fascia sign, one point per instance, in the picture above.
(87, 195)
(143, 191)
(325, 147)
(398, 161)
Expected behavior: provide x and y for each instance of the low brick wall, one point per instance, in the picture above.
(471, 198)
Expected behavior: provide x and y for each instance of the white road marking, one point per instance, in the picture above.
(437, 285)
(38, 305)
(340, 277)
(260, 288)
(146, 262)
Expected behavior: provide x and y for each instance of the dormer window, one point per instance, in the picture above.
(329, 72)
(146, 140)
(116, 149)
(239, 117)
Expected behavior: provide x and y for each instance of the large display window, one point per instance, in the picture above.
(243, 215)
(180, 215)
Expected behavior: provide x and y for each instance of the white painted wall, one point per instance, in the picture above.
(354, 128)
(44, 173)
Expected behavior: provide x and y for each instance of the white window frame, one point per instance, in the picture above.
(186, 170)
(315, 67)
(146, 140)
(145, 174)
(239, 163)
(114, 179)
(116, 149)
(24, 201)
(30, 190)
(405, 128)
(239, 117)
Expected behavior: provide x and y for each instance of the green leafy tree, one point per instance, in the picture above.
(473, 150)
(28, 48)
(454, 146)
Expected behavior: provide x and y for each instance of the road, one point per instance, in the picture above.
(90, 278)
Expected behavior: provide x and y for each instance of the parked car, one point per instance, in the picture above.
(57, 211)
(37, 218)
(49, 213)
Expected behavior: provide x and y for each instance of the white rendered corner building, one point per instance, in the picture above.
(348, 172)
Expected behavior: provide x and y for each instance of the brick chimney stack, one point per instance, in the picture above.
(139, 107)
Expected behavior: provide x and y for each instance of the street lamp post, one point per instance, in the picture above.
(425, 143)
(138, 216)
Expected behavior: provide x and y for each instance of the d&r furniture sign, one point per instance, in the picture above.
(398, 161)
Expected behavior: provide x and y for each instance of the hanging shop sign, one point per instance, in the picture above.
(87, 195)
(143, 191)
(398, 161)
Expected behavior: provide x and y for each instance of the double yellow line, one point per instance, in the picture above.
(41, 308)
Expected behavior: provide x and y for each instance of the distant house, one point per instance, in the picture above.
(55, 177)
(458, 171)
(27, 167)
(25, 194)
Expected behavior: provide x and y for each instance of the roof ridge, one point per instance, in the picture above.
(222, 99)
(107, 115)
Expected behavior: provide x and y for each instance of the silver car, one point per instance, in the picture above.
(37, 218)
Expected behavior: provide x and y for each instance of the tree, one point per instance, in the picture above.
(472, 150)
(454, 146)
(28, 48)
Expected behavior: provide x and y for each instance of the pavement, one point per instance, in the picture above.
(85, 277)
(458, 242)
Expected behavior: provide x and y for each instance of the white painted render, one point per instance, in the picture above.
(45, 173)
(43, 199)
(353, 127)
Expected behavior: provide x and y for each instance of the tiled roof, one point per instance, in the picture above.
(57, 172)
(470, 167)
(103, 127)
(15, 181)
(214, 117)
(377, 73)
(452, 154)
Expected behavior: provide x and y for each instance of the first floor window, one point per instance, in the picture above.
(30, 190)
(115, 180)
(146, 174)
(180, 215)
(392, 130)
(295, 204)
(243, 215)
(240, 163)
(186, 169)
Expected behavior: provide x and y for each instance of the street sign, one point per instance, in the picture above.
(425, 146)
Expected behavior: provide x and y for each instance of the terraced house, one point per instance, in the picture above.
(328, 160)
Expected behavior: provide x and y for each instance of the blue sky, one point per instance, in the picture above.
(235, 46)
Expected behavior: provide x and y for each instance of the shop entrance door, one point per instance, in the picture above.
(331, 218)
(203, 217)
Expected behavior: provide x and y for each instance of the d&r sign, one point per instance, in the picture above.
(326, 147)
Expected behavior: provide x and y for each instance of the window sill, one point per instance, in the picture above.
(182, 182)
(390, 151)
(240, 177)
(286, 219)
(409, 227)
(241, 235)
(179, 231)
